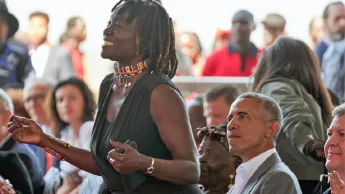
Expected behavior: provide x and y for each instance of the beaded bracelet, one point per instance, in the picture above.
(59, 142)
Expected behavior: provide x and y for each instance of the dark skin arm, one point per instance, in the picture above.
(73, 155)
(169, 114)
(33, 134)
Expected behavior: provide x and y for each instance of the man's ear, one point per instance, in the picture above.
(273, 129)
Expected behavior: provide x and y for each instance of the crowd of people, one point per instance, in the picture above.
(143, 136)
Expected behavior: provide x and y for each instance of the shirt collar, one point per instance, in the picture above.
(253, 164)
(253, 50)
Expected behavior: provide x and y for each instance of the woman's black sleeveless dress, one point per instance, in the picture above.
(134, 123)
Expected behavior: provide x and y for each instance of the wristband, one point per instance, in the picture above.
(59, 142)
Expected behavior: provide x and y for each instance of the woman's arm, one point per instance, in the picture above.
(80, 158)
(27, 131)
(169, 113)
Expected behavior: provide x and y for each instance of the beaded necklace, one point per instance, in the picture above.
(123, 74)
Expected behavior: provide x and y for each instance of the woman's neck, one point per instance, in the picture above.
(43, 121)
(132, 61)
(76, 128)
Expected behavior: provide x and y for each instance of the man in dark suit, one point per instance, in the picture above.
(7, 143)
(13, 169)
(254, 123)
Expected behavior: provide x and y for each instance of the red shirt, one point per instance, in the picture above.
(227, 62)
(77, 59)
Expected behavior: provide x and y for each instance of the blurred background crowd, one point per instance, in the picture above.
(51, 67)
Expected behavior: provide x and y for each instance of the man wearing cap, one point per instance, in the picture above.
(274, 27)
(15, 62)
(240, 56)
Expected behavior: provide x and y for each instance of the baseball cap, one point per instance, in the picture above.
(274, 20)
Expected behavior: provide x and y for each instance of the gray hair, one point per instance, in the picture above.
(30, 83)
(339, 110)
(5, 102)
(270, 105)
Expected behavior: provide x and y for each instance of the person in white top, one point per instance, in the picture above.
(254, 124)
(72, 107)
(38, 41)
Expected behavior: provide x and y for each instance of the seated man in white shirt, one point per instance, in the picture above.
(254, 123)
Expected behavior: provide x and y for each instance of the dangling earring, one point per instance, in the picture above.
(138, 46)
(231, 181)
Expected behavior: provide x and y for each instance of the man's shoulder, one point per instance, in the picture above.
(217, 56)
(321, 46)
(219, 52)
(18, 47)
(280, 173)
(333, 50)
(271, 181)
(59, 51)
(23, 150)
(281, 169)
(273, 166)
(7, 157)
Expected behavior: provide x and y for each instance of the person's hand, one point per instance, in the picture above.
(319, 151)
(70, 182)
(73, 178)
(126, 159)
(337, 185)
(315, 149)
(25, 130)
(6, 187)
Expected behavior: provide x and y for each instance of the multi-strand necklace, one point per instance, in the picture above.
(123, 74)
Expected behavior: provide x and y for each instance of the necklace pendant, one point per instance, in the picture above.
(124, 74)
(125, 81)
(128, 83)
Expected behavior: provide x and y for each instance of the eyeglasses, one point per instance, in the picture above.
(35, 98)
